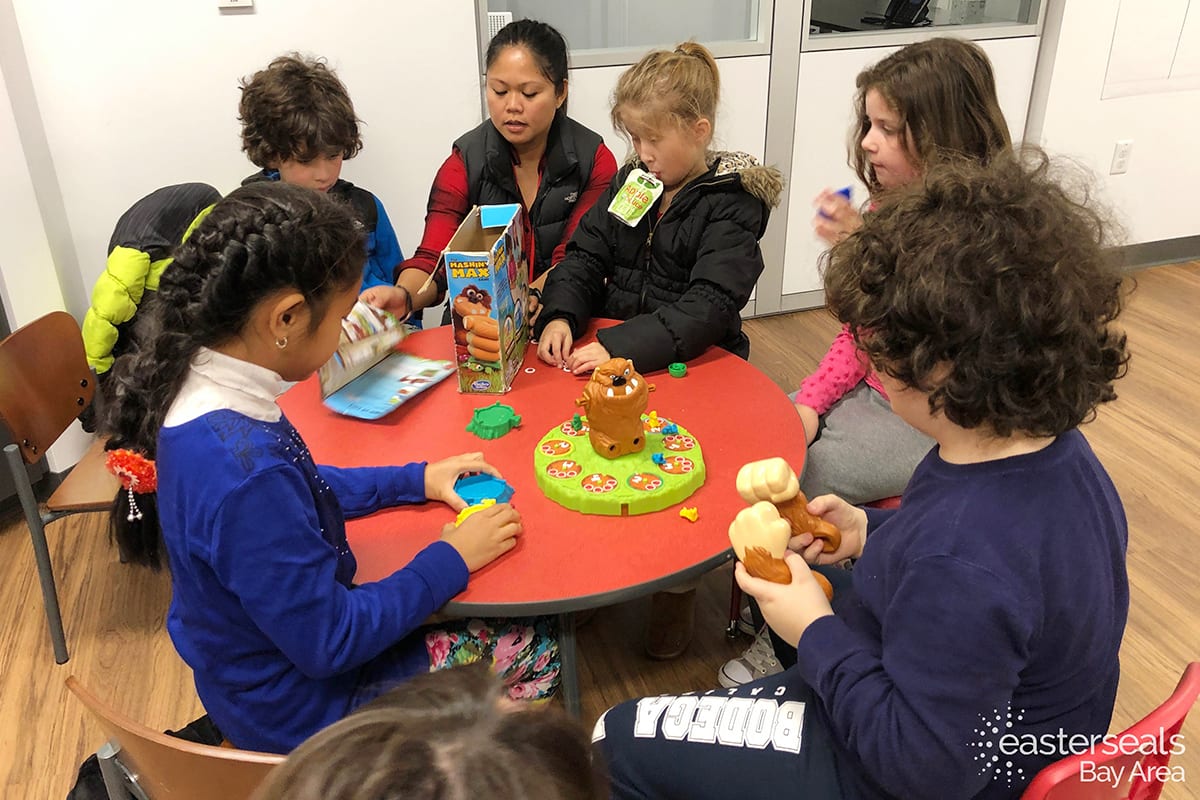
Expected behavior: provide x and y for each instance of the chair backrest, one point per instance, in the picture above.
(167, 767)
(1138, 775)
(45, 382)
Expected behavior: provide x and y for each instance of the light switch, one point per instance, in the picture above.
(1121, 155)
(235, 3)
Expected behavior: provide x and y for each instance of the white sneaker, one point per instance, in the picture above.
(758, 661)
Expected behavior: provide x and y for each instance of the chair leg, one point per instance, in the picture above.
(119, 784)
(41, 552)
(735, 607)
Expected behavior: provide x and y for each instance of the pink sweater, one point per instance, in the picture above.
(839, 371)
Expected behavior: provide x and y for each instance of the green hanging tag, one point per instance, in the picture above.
(635, 197)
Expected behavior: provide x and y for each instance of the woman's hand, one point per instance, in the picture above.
(485, 535)
(587, 358)
(850, 520)
(788, 608)
(554, 345)
(811, 420)
(440, 477)
(836, 218)
(393, 299)
(533, 305)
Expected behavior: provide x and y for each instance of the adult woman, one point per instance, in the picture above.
(528, 151)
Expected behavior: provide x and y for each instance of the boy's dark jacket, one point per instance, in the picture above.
(679, 281)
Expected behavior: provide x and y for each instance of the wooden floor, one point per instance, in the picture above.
(1148, 439)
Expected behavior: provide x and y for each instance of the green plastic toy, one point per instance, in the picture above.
(492, 422)
(677, 369)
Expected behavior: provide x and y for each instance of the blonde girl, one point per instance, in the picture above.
(679, 276)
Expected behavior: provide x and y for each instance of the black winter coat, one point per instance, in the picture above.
(678, 281)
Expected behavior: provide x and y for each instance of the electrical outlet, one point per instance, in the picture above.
(1121, 155)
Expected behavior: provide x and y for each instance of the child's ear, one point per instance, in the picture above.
(288, 314)
(702, 130)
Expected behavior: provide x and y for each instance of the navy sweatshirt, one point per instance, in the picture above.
(983, 627)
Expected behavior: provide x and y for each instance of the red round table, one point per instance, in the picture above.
(565, 561)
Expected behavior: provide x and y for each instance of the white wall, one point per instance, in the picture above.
(1067, 115)
(135, 94)
(28, 285)
(741, 114)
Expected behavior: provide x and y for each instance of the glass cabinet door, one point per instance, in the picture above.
(608, 32)
(835, 23)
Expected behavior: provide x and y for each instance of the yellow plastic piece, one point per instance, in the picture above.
(469, 510)
(691, 514)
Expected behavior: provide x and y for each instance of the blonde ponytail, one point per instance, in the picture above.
(697, 50)
(679, 86)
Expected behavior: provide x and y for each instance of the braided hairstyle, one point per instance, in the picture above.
(263, 238)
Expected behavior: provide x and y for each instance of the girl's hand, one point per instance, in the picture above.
(836, 218)
(392, 299)
(788, 608)
(485, 535)
(587, 358)
(441, 475)
(811, 420)
(555, 343)
(851, 521)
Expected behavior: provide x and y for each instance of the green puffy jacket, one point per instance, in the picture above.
(140, 249)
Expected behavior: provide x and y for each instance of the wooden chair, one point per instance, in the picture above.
(44, 383)
(1067, 779)
(140, 763)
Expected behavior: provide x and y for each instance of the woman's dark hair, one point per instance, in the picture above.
(944, 92)
(991, 287)
(296, 108)
(543, 42)
(264, 237)
(449, 735)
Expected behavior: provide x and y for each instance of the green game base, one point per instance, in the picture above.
(574, 475)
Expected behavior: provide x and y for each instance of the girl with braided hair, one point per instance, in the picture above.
(264, 611)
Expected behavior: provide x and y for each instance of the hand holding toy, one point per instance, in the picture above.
(760, 537)
(772, 480)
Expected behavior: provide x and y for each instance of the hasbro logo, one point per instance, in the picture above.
(480, 385)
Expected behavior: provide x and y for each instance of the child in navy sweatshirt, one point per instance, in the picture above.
(980, 628)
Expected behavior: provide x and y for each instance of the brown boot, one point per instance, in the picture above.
(672, 621)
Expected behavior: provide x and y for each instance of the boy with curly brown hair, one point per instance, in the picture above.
(298, 126)
(984, 614)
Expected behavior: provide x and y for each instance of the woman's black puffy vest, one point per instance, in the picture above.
(570, 152)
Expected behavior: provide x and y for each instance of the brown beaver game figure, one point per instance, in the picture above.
(614, 400)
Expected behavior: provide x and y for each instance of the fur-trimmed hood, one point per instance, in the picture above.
(765, 183)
